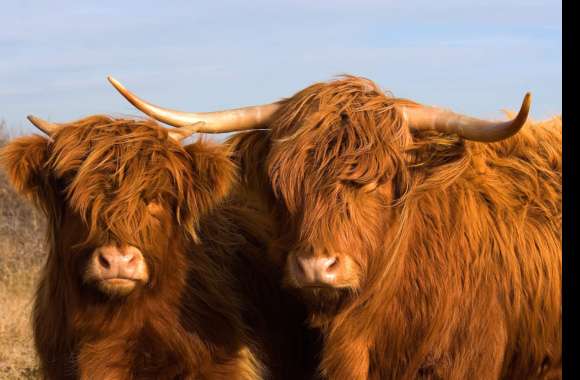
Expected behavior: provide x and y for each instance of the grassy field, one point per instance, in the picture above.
(22, 235)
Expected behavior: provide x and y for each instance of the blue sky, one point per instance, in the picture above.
(475, 57)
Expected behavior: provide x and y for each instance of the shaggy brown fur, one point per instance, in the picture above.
(212, 308)
(457, 244)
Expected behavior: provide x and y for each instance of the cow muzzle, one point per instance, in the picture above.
(315, 271)
(117, 270)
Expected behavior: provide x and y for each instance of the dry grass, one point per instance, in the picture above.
(21, 254)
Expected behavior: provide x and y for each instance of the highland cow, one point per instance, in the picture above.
(426, 244)
(154, 271)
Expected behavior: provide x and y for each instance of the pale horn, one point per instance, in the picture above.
(424, 117)
(45, 126)
(51, 128)
(239, 119)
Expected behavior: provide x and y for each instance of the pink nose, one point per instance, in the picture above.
(315, 271)
(114, 262)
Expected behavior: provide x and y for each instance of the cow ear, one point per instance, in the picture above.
(214, 172)
(24, 160)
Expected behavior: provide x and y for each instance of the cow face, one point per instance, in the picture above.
(122, 199)
(335, 166)
(334, 223)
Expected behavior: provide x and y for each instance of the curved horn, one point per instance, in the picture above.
(239, 119)
(45, 126)
(50, 128)
(423, 117)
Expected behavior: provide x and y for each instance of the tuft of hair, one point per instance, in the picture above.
(335, 140)
(109, 169)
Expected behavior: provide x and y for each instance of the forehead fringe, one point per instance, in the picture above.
(335, 138)
(110, 168)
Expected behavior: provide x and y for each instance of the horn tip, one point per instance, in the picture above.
(33, 119)
(527, 102)
(179, 134)
(44, 126)
(122, 90)
(114, 82)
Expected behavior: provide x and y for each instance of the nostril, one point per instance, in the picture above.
(332, 264)
(132, 259)
(299, 265)
(104, 262)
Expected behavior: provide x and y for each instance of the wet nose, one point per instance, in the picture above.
(115, 262)
(316, 271)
